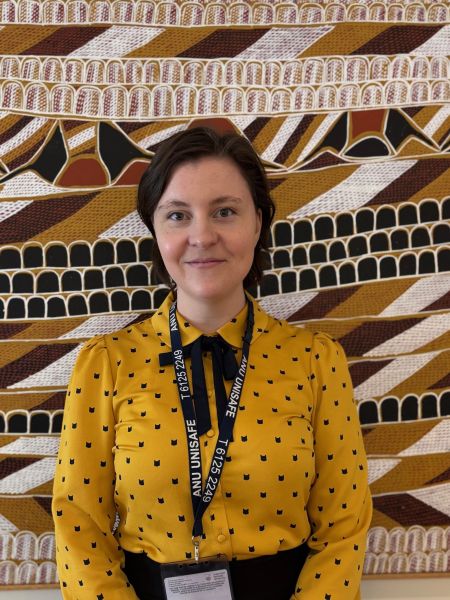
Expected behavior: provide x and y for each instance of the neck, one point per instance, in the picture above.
(208, 315)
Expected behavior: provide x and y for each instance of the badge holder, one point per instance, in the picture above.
(201, 579)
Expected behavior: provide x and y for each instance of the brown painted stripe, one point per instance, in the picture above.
(39, 216)
(361, 371)
(294, 138)
(440, 304)
(441, 383)
(54, 402)
(130, 127)
(373, 333)
(15, 129)
(65, 40)
(407, 510)
(444, 476)
(219, 43)
(323, 303)
(9, 330)
(416, 178)
(69, 124)
(398, 39)
(252, 130)
(411, 111)
(327, 159)
(46, 503)
(22, 159)
(12, 464)
(32, 362)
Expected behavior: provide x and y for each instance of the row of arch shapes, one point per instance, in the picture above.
(399, 562)
(414, 539)
(27, 572)
(76, 254)
(380, 241)
(36, 421)
(162, 101)
(196, 13)
(411, 407)
(364, 219)
(26, 545)
(239, 72)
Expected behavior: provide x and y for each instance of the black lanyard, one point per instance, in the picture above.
(202, 497)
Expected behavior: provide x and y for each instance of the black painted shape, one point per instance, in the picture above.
(347, 273)
(288, 282)
(308, 279)
(71, 281)
(2, 424)
(299, 256)
(368, 412)
(407, 214)
(77, 305)
(365, 220)
(398, 129)
(283, 234)
(17, 424)
(120, 301)
(145, 248)
(399, 239)
(410, 409)
(303, 232)
(93, 279)
(388, 267)
(367, 269)
(33, 256)
(161, 294)
(2, 309)
(408, 265)
(429, 211)
(429, 406)
(10, 259)
(324, 228)
(386, 217)
(269, 285)
(281, 259)
(337, 251)
(441, 234)
(420, 237)
(389, 409)
(98, 303)
(446, 209)
(57, 423)
(56, 256)
(427, 262)
(116, 150)
(444, 404)
(317, 253)
(368, 147)
(56, 307)
(444, 260)
(52, 158)
(137, 275)
(36, 308)
(327, 276)
(344, 225)
(103, 253)
(5, 284)
(114, 277)
(16, 309)
(379, 242)
(337, 137)
(40, 423)
(22, 283)
(80, 255)
(358, 245)
(126, 252)
(47, 282)
(141, 300)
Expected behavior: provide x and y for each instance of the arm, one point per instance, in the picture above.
(87, 554)
(339, 505)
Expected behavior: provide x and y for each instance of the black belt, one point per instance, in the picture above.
(264, 578)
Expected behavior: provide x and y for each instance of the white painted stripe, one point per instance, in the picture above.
(439, 118)
(98, 325)
(357, 189)
(129, 226)
(8, 209)
(378, 467)
(81, 137)
(284, 43)
(243, 121)
(413, 338)
(437, 45)
(392, 375)
(418, 296)
(282, 306)
(325, 126)
(117, 41)
(435, 441)
(158, 137)
(29, 477)
(39, 445)
(57, 373)
(25, 133)
(6, 526)
(26, 185)
(281, 137)
(436, 497)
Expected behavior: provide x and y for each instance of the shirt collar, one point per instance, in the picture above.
(232, 331)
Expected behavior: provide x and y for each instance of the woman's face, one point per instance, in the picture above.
(207, 227)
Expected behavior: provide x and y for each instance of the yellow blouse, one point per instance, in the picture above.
(295, 472)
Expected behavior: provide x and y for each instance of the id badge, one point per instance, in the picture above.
(208, 578)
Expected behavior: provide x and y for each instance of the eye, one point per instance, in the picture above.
(226, 211)
(175, 216)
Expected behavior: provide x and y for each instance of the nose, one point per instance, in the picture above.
(202, 233)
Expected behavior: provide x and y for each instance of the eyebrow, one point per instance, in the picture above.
(174, 203)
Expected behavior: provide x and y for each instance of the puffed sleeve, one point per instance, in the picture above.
(87, 554)
(339, 505)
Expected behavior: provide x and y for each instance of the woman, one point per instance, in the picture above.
(264, 465)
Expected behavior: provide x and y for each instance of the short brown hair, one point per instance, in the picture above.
(191, 145)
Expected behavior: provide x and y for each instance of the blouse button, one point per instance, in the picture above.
(221, 538)
(210, 433)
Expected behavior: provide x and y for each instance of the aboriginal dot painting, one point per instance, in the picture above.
(348, 105)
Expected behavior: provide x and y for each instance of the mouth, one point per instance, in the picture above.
(205, 262)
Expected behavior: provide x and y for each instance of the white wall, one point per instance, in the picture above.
(388, 589)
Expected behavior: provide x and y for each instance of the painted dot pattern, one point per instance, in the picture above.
(296, 469)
